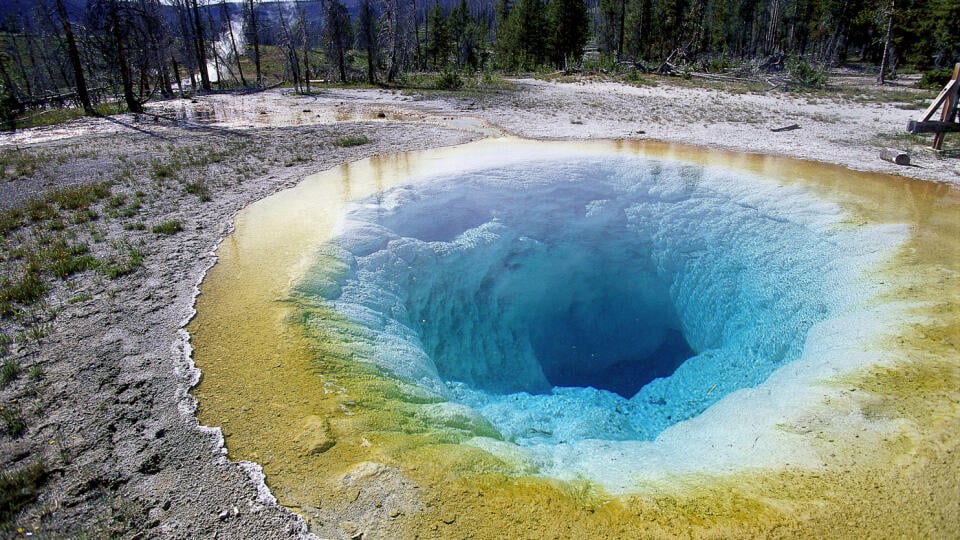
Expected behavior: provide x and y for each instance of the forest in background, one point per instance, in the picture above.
(105, 55)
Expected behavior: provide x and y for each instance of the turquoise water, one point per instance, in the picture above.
(591, 298)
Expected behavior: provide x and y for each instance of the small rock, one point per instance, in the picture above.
(316, 437)
(227, 514)
(448, 518)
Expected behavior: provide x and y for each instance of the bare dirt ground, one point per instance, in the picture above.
(98, 436)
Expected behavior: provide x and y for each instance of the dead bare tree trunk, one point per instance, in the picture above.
(81, 82)
(256, 42)
(881, 79)
(201, 47)
(233, 41)
(176, 76)
(293, 60)
(133, 105)
(302, 16)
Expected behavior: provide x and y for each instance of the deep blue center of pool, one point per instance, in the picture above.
(566, 300)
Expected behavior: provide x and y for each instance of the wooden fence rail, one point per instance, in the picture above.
(946, 102)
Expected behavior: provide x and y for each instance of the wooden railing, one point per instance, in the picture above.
(946, 102)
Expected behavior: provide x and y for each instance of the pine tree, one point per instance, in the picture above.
(438, 38)
(522, 39)
(569, 26)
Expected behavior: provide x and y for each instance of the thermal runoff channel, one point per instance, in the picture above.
(565, 303)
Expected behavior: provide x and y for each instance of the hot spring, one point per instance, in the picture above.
(582, 324)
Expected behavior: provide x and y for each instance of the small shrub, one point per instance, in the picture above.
(198, 188)
(935, 79)
(806, 75)
(5, 342)
(636, 78)
(449, 80)
(352, 140)
(718, 64)
(168, 227)
(13, 422)
(20, 487)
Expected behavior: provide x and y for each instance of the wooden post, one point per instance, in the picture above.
(947, 99)
(949, 113)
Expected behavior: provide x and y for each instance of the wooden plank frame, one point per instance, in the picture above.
(946, 102)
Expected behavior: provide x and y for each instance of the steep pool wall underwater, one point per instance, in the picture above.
(593, 339)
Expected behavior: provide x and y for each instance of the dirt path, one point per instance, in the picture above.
(102, 370)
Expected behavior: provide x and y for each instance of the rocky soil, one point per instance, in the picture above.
(98, 436)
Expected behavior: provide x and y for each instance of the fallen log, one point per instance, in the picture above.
(895, 156)
(791, 127)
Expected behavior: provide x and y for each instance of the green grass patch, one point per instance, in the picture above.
(200, 189)
(9, 372)
(85, 216)
(80, 298)
(20, 487)
(168, 227)
(48, 256)
(10, 219)
(64, 259)
(56, 224)
(162, 170)
(80, 197)
(17, 164)
(27, 288)
(352, 140)
(117, 200)
(40, 209)
(125, 262)
(35, 373)
(52, 117)
(13, 423)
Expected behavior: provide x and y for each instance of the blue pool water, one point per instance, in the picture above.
(590, 298)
